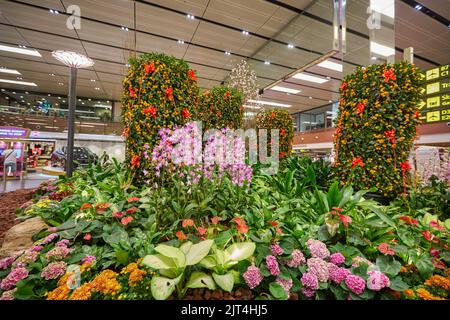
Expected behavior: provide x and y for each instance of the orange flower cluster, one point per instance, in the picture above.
(424, 294)
(136, 274)
(438, 281)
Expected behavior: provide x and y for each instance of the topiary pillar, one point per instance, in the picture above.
(281, 120)
(221, 107)
(376, 127)
(160, 91)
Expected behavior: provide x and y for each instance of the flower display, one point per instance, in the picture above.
(376, 128)
(286, 284)
(337, 258)
(310, 280)
(276, 250)
(272, 265)
(318, 249)
(377, 280)
(319, 268)
(356, 284)
(339, 275)
(58, 253)
(297, 259)
(13, 277)
(54, 270)
(253, 276)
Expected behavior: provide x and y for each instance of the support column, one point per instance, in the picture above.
(71, 120)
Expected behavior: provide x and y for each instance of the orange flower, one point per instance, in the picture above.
(126, 220)
(273, 223)
(86, 206)
(357, 162)
(192, 75)
(385, 249)
(132, 210)
(215, 220)
(187, 223)
(169, 93)
(132, 199)
(180, 235)
(409, 220)
(151, 110)
(242, 228)
(87, 237)
(135, 161)
(101, 207)
(202, 231)
(186, 113)
(149, 68)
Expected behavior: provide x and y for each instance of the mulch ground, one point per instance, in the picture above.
(9, 202)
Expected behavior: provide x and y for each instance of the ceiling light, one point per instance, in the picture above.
(60, 83)
(26, 92)
(266, 62)
(310, 97)
(308, 77)
(22, 46)
(82, 103)
(107, 101)
(330, 102)
(30, 52)
(51, 74)
(23, 101)
(97, 88)
(90, 99)
(3, 90)
(49, 95)
(10, 71)
(79, 99)
(284, 89)
(128, 65)
(227, 53)
(290, 46)
(19, 78)
(190, 16)
(180, 41)
(13, 92)
(92, 80)
(64, 101)
(7, 98)
(418, 7)
(331, 65)
(72, 59)
(245, 32)
(21, 97)
(53, 11)
(59, 98)
(251, 107)
(329, 78)
(23, 83)
(124, 28)
(381, 49)
(269, 103)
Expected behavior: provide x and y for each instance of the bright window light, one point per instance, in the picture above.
(10, 71)
(23, 83)
(386, 7)
(331, 65)
(251, 107)
(381, 49)
(269, 103)
(284, 89)
(308, 77)
(30, 52)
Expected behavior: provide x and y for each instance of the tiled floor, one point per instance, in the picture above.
(32, 180)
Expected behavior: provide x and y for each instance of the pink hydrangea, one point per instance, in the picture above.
(50, 238)
(276, 250)
(310, 280)
(309, 293)
(357, 261)
(58, 253)
(377, 280)
(89, 259)
(297, 259)
(36, 248)
(253, 276)
(286, 284)
(356, 284)
(62, 243)
(337, 258)
(13, 277)
(54, 270)
(339, 275)
(331, 267)
(6, 262)
(319, 267)
(26, 258)
(8, 295)
(318, 249)
(272, 265)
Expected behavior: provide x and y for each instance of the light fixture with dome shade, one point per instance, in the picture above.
(74, 61)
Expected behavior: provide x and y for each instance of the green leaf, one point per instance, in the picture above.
(241, 251)
(158, 261)
(172, 252)
(198, 251)
(425, 266)
(162, 288)
(277, 291)
(397, 284)
(226, 281)
(201, 280)
(185, 247)
(208, 262)
(378, 211)
(388, 265)
(122, 256)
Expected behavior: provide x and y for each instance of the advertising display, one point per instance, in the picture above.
(435, 106)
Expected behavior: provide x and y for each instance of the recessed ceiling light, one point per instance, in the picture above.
(245, 32)
(51, 74)
(266, 62)
(79, 99)
(10, 71)
(23, 83)
(290, 46)
(26, 92)
(97, 88)
(124, 28)
(19, 78)
(56, 104)
(53, 11)
(329, 78)
(28, 103)
(330, 101)
(381, 49)
(30, 52)
(22, 46)
(284, 89)
(269, 103)
(90, 99)
(308, 77)
(227, 53)
(60, 83)
(107, 101)
(23, 100)
(82, 103)
(92, 80)
(190, 16)
(64, 101)
(7, 98)
(3, 90)
(180, 41)
(331, 65)
(310, 97)
(418, 7)
(21, 97)
(59, 98)
(49, 95)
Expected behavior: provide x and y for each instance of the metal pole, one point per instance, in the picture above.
(71, 120)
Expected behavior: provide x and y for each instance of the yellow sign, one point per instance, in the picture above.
(433, 88)
(445, 115)
(433, 116)
(446, 100)
(433, 102)
(432, 74)
(436, 73)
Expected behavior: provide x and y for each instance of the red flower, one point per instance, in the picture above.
(215, 220)
(438, 264)
(343, 86)
(132, 199)
(201, 230)
(389, 75)
(434, 252)
(409, 220)
(405, 166)
(132, 92)
(180, 235)
(345, 219)
(126, 132)
(242, 228)
(282, 154)
(169, 93)
(117, 214)
(135, 161)
(238, 220)
(86, 206)
(186, 113)
(126, 220)
(279, 231)
(187, 223)
(338, 131)
(87, 237)
(149, 68)
(435, 224)
(390, 134)
(101, 207)
(429, 236)
(337, 209)
(227, 94)
(385, 249)
(361, 107)
(357, 162)
(273, 223)
(417, 114)
(191, 74)
(151, 110)
(132, 210)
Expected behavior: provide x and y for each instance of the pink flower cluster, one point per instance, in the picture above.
(377, 280)
(27, 257)
(356, 284)
(253, 276)
(89, 259)
(339, 275)
(276, 250)
(297, 259)
(8, 295)
(62, 243)
(58, 253)
(13, 277)
(6, 262)
(310, 281)
(337, 258)
(49, 238)
(318, 249)
(272, 265)
(54, 270)
(286, 284)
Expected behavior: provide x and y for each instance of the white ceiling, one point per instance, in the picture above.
(216, 29)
